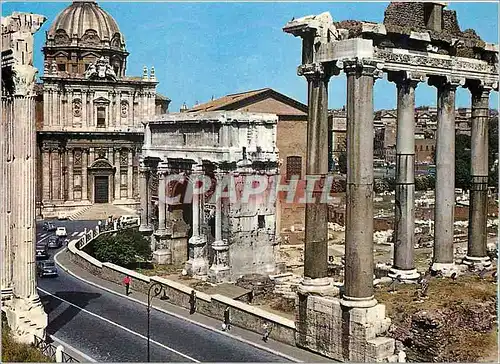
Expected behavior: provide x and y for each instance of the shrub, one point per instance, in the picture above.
(122, 248)
(13, 351)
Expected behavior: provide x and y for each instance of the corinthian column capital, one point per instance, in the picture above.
(315, 71)
(449, 82)
(362, 67)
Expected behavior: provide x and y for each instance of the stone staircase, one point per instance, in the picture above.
(101, 212)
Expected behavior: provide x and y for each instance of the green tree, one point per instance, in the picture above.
(122, 248)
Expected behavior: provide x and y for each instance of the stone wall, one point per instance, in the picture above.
(242, 314)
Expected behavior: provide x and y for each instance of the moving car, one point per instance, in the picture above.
(55, 242)
(46, 268)
(61, 231)
(48, 226)
(41, 251)
(62, 216)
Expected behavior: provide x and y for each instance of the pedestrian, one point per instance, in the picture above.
(192, 302)
(227, 320)
(126, 282)
(267, 331)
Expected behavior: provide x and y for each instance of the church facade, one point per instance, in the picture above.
(90, 114)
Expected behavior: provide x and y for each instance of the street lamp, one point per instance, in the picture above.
(154, 291)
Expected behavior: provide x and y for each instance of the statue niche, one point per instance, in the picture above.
(77, 108)
(124, 109)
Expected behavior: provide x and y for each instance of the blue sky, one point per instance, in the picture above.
(200, 50)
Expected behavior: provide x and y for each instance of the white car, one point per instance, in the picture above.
(128, 220)
(61, 231)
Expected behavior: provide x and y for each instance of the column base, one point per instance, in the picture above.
(162, 256)
(317, 287)
(26, 318)
(219, 274)
(477, 262)
(6, 294)
(407, 276)
(358, 302)
(352, 335)
(446, 269)
(145, 228)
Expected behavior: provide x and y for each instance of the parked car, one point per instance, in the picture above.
(48, 226)
(41, 251)
(55, 242)
(62, 216)
(61, 231)
(129, 220)
(46, 268)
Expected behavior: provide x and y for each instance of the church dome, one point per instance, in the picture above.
(86, 25)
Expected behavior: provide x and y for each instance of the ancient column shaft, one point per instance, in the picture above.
(117, 175)
(145, 196)
(404, 224)
(358, 278)
(218, 207)
(162, 171)
(478, 204)
(24, 198)
(444, 210)
(130, 178)
(316, 214)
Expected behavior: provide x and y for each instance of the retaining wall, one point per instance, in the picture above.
(242, 314)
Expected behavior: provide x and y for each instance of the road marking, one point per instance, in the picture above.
(82, 233)
(120, 326)
(44, 234)
(48, 236)
(210, 328)
(75, 233)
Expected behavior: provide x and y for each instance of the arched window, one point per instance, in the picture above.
(293, 167)
(426, 148)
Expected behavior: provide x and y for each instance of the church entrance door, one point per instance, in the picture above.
(101, 189)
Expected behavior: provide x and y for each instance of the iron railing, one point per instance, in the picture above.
(49, 350)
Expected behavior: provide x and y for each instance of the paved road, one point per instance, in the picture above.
(110, 328)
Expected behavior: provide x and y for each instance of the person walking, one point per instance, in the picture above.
(267, 331)
(126, 282)
(192, 302)
(227, 320)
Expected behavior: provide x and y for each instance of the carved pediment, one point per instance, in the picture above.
(61, 38)
(101, 100)
(101, 164)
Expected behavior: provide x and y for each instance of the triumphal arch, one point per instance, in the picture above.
(417, 42)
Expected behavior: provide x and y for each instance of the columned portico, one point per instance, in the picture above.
(444, 211)
(404, 212)
(358, 277)
(478, 199)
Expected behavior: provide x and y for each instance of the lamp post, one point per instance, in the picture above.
(154, 290)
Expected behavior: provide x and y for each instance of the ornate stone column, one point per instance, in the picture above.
(46, 168)
(145, 197)
(478, 200)
(130, 175)
(117, 174)
(219, 270)
(25, 314)
(404, 212)
(197, 263)
(444, 211)
(316, 213)
(85, 163)
(358, 277)
(70, 175)
(162, 253)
